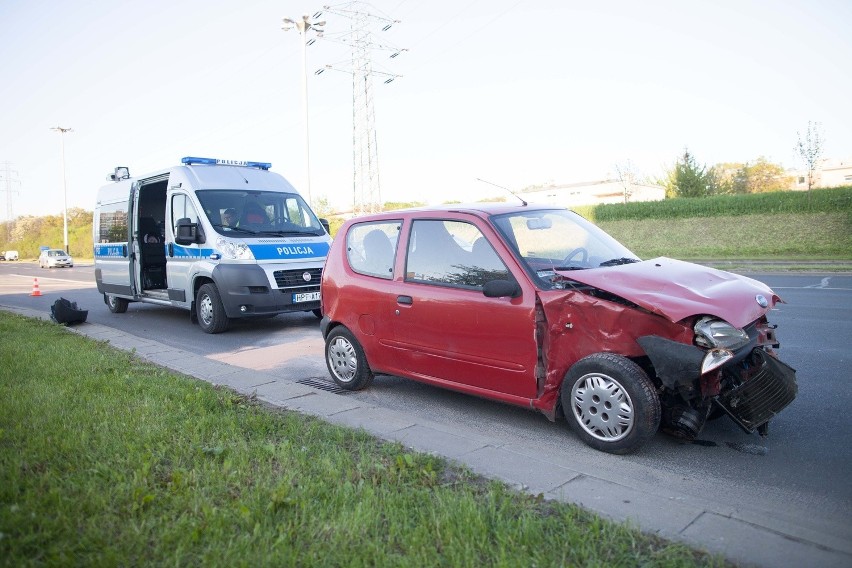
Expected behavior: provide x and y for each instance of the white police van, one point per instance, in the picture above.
(224, 239)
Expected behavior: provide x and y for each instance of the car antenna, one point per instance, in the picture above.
(506, 188)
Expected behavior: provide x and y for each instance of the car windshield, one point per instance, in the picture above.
(549, 240)
(267, 213)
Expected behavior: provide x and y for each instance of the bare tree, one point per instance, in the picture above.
(627, 177)
(810, 150)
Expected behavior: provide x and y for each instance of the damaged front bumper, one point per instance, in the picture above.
(748, 385)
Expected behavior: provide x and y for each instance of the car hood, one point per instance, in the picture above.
(676, 289)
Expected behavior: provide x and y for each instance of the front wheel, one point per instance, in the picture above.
(346, 360)
(210, 311)
(116, 305)
(610, 403)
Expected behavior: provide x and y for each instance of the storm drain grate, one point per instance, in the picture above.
(323, 385)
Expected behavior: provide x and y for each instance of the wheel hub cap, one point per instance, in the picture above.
(602, 407)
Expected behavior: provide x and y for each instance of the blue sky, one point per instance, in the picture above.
(513, 92)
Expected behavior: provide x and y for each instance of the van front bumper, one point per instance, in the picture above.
(245, 291)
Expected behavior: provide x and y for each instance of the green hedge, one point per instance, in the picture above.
(835, 200)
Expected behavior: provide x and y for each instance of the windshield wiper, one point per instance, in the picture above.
(569, 268)
(617, 261)
(288, 233)
(240, 229)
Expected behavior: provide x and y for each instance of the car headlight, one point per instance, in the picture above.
(715, 333)
(233, 249)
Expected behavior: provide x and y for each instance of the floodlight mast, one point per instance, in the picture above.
(303, 26)
(62, 132)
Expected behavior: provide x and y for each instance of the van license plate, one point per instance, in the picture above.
(306, 297)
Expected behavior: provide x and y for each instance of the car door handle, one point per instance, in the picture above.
(407, 300)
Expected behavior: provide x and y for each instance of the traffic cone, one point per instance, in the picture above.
(36, 291)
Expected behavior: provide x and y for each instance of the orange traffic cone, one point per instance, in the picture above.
(36, 291)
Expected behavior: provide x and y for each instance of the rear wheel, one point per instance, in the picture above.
(317, 312)
(210, 311)
(346, 361)
(610, 403)
(116, 305)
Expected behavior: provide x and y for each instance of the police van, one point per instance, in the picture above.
(223, 239)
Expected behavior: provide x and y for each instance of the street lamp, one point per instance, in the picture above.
(303, 25)
(62, 132)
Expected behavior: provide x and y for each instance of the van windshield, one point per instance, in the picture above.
(241, 212)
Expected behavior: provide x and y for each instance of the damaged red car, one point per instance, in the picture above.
(537, 307)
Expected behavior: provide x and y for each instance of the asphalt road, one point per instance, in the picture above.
(804, 466)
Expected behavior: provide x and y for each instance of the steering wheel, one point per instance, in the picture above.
(575, 252)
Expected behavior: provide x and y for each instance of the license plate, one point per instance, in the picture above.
(306, 297)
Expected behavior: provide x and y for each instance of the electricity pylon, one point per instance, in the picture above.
(362, 41)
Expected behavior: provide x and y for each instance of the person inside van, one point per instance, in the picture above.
(253, 214)
(229, 217)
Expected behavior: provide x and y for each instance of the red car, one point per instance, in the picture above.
(537, 307)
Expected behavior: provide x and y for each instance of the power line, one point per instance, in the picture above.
(362, 40)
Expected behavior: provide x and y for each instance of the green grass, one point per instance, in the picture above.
(835, 200)
(109, 461)
(803, 236)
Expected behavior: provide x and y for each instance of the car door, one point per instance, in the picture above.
(445, 329)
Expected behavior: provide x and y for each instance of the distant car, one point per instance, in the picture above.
(2, 255)
(10, 255)
(54, 258)
(545, 310)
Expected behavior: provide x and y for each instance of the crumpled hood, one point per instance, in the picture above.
(677, 289)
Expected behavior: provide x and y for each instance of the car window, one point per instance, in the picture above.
(452, 253)
(371, 247)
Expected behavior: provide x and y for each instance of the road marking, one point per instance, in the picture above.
(822, 284)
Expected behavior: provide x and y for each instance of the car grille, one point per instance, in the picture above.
(761, 397)
(290, 280)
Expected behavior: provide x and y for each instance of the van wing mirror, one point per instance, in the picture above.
(187, 232)
(325, 225)
(501, 289)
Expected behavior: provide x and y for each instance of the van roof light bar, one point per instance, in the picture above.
(189, 160)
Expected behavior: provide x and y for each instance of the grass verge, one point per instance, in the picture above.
(789, 236)
(106, 460)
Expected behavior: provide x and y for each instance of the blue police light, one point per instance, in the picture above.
(189, 160)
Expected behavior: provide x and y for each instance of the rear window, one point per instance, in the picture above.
(371, 247)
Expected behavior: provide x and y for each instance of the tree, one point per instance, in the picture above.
(627, 177)
(763, 176)
(688, 179)
(810, 150)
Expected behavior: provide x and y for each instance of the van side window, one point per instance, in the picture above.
(182, 208)
(452, 253)
(112, 223)
(371, 248)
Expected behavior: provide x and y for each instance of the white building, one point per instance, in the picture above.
(830, 172)
(595, 193)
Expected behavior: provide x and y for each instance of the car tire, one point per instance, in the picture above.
(610, 403)
(115, 304)
(346, 360)
(317, 312)
(210, 311)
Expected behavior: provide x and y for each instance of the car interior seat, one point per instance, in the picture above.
(378, 253)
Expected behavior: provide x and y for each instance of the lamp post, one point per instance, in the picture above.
(303, 25)
(62, 132)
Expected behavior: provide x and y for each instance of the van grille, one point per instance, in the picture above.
(294, 279)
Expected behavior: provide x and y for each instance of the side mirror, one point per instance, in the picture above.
(187, 232)
(501, 289)
(325, 225)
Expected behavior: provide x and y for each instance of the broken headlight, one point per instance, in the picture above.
(715, 333)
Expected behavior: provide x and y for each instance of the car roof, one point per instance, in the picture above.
(480, 209)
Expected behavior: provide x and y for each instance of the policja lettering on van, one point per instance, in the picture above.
(297, 250)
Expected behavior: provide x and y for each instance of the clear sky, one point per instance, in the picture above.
(513, 92)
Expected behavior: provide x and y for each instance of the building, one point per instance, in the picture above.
(829, 172)
(594, 193)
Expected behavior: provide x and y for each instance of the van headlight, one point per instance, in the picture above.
(714, 333)
(234, 250)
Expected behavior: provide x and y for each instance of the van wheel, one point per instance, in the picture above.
(610, 403)
(346, 361)
(116, 305)
(317, 312)
(210, 311)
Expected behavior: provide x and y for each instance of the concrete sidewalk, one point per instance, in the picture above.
(772, 537)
